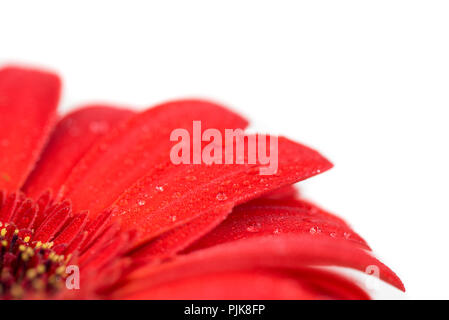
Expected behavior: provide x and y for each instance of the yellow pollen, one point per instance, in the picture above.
(38, 244)
(31, 273)
(59, 270)
(16, 291)
(52, 279)
(38, 284)
(40, 269)
(22, 247)
(30, 251)
(4, 243)
(3, 232)
(26, 239)
(16, 232)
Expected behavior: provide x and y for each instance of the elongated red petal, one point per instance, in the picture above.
(70, 140)
(265, 216)
(28, 101)
(175, 194)
(238, 285)
(268, 217)
(331, 284)
(72, 229)
(179, 238)
(266, 284)
(10, 202)
(284, 193)
(128, 153)
(53, 223)
(287, 251)
(25, 214)
(95, 228)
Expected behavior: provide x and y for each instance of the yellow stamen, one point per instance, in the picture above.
(31, 273)
(40, 269)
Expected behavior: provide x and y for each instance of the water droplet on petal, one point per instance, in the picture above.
(173, 218)
(347, 235)
(160, 188)
(141, 202)
(314, 230)
(254, 227)
(177, 194)
(221, 196)
(333, 234)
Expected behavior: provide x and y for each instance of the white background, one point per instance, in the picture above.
(364, 82)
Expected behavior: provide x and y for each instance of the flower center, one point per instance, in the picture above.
(28, 268)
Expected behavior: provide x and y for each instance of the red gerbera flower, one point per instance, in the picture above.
(96, 189)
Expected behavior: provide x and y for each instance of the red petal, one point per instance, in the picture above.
(45, 205)
(179, 238)
(71, 139)
(53, 222)
(128, 153)
(28, 101)
(266, 217)
(245, 285)
(175, 194)
(10, 203)
(332, 285)
(25, 215)
(287, 192)
(72, 229)
(265, 284)
(285, 251)
(95, 228)
(2, 198)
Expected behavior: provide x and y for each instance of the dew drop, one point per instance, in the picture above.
(173, 218)
(254, 228)
(314, 230)
(177, 195)
(347, 235)
(160, 188)
(221, 196)
(141, 202)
